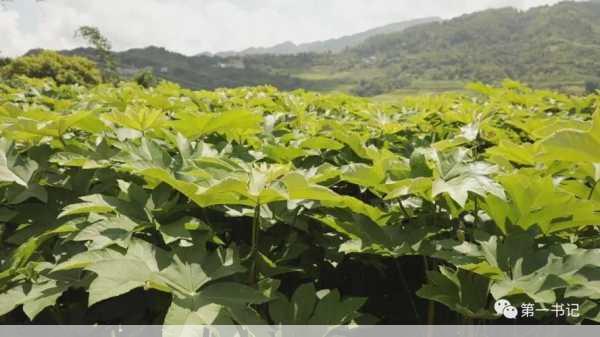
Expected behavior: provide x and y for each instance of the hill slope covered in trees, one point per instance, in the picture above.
(558, 43)
(550, 46)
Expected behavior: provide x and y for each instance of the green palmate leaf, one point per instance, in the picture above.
(33, 298)
(261, 185)
(102, 204)
(356, 227)
(47, 289)
(534, 200)
(148, 154)
(87, 258)
(239, 188)
(21, 256)
(15, 168)
(303, 302)
(299, 188)
(182, 229)
(232, 294)
(11, 299)
(419, 186)
(92, 204)
(307, 306)
(321, 143)
(519, 266)
(47, 297)
(458, 177)
(418, 164)
(458, 188)
(524, 154)
(79, 119)
(353, 141)
(451, 163)
(195, 310)
(138, 118)
(191, 270)
(364, 175)
(574, 145)
(206, 310)
(144, 265)
(105, 231)
(197, 302)
(39, 295)
(333, 310)
(17, 194)
(36, 124)
(462, 291)
(139, 267)
(461, 180)
(234, 122)
(85, 156)
(283, 154)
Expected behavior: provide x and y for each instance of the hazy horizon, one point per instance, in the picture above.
(190, 27)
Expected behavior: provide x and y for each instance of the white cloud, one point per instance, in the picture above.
(191, 27)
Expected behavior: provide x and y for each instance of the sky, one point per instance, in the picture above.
(194, 26)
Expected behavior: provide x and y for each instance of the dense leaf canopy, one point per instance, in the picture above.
(253, 205)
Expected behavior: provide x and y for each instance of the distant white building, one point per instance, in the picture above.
(164, 70)
(370, 60)
(236, 64)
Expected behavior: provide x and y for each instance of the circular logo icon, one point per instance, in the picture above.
(500, 305)
(511, 312)
(504, 308)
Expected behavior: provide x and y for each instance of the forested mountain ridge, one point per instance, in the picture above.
(560, 42)
(550, 46)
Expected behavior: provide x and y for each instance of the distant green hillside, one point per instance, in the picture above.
(548, 44)
(551, 46)
(197, 72)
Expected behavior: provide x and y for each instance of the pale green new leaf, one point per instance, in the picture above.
(15, 168)
(575, 145)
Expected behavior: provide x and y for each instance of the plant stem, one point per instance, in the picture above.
(404, 210)
(592, 191)
(62, 142)
(430, 313)
(431, 304)
(407, 289)
(477, 219)
(255, 229)
(254, 249)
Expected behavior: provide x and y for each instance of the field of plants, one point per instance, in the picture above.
(125, 205)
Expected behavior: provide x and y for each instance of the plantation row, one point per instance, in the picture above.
(165, 205)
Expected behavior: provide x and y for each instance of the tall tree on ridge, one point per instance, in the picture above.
(102, 45)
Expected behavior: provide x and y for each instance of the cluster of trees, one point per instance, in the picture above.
(49, 64)
(379, 85)
(592, 85)
(73, 69)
